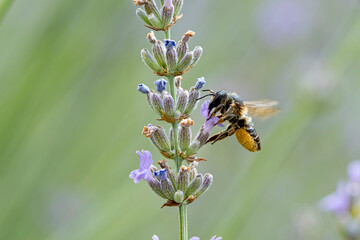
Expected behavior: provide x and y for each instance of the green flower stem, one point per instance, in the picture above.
(4, 6)
(167, 34)
(183, 226)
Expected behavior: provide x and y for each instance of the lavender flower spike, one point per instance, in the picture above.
(209, 124)
(144, 171)
(353, 171)
(337, 202)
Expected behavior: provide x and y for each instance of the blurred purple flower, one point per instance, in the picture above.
(209, 124)
(282, 22)
(154, 237)
(144, 171)
(337, 202)
(353, 171)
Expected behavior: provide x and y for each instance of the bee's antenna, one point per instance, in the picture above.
(208, 90)
(210, 94)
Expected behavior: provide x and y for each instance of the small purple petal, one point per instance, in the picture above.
(353, 171)
(194, 238)
(144, 171)
(204, 111)
(216, 238)
(209, 124)
(337, 202)
(155, 237)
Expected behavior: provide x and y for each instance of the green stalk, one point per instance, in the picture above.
(167, 34)
(183, 227)
(4, 6)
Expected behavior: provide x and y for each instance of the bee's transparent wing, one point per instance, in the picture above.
(262, 108)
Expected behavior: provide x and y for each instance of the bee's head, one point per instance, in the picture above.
(217, 99)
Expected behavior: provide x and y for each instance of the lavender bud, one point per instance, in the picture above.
(159, 54)
(168, 189)
(200, 83)
(197, 55)
(185, 62)
(171, 134)
(151, 8)
(162, 2)
(149, 60)
(177, 6)
(194, 185)
(183, 46)
(171, 56)
(192, 170)
(158, 135)
(202, 136)
(178, 196)
(167, 13)
(143, 88)
(194, 94)
(178, 81)
(169, 108)
(161, 174)
(207, 180)
(160, 85)
(184, 134)
(169, 171)
(182, 101)
(151, 37)
(143, 16)
(154, 21)
(182, 179)
(193, 148)
(156, 103)
(156, 187)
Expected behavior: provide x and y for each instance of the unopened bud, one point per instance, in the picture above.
(179, 196)
(159, 54)
(194, 185)
(156, 103)
(178, 81)
(182, 179)
(192, 170)
(169, 107)
(151, 8)
(167, 13)
(150, 61)
(177, 6)
(183, 47)
(167, 189)
(182, 101)
(143, 16)
(143, 88)
(207, 181)
(151, 37)
(194, 94)
(156, 187)
(171, 56)
(197, 55)
(184, 135)
(185, 62)
(161, 174)
(193, 148)
(154, 21)
(158, 135)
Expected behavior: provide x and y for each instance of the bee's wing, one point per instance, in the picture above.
(262, 108)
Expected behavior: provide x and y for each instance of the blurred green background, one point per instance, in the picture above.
(71, 118)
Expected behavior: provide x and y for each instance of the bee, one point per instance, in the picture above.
(237, 112)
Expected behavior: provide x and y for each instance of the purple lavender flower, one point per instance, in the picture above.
(160, 85)
(169, 44)
(200, 83)
(144, 171)
(209, 124)
(337, 202)
(161, 174)
(143, 88)
(353, 171)
(154, 237)
(215, 238)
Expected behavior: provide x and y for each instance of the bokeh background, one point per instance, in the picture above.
(71, 118)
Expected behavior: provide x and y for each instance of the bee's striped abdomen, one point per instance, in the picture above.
(248, 137)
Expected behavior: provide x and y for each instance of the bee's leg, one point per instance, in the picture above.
(229, 117)
(215, 110)
(221, 135)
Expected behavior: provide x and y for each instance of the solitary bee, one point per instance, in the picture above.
(237, 112)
